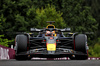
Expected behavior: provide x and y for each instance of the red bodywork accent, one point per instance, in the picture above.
(51, 37)
(87, 52)
(57, 40)
(74, 44)
(44, 40)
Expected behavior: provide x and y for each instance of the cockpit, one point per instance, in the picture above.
(50, 33)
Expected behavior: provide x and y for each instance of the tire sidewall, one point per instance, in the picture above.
(81, 43)
(21, 43)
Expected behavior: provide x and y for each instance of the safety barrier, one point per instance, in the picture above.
(6, 53)
(94, 58)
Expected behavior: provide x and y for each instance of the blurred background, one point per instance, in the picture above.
(79, 15)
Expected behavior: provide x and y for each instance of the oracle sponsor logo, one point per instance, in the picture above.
(4, 53)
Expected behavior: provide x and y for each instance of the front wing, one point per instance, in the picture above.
(43, 53)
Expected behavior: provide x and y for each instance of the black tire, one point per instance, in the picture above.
(81, 45)
(21, 46)
(72, 58)
(21, 57)
(81, 57)
(21, 43)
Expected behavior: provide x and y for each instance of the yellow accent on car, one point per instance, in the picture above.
(51, 47)
(55, 35)
(30, 33)
(70, 33)
(50, 25)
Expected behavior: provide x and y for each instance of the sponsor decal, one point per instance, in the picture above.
(4, 53)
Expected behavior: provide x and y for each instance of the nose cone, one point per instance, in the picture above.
(51, 47)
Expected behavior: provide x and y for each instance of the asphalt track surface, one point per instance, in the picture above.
(50, 63)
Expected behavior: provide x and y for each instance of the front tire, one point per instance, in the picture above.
(81, 46)
(21, 46)
(81, 43)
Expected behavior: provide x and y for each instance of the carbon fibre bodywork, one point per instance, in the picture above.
(52, 43)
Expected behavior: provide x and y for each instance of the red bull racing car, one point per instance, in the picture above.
(51, 43)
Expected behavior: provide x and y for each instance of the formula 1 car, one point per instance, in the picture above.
(51, 43)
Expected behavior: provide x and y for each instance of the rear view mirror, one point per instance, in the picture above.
(67, 29)
(32, 29)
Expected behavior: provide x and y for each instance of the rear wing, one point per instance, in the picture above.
(50, 22)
